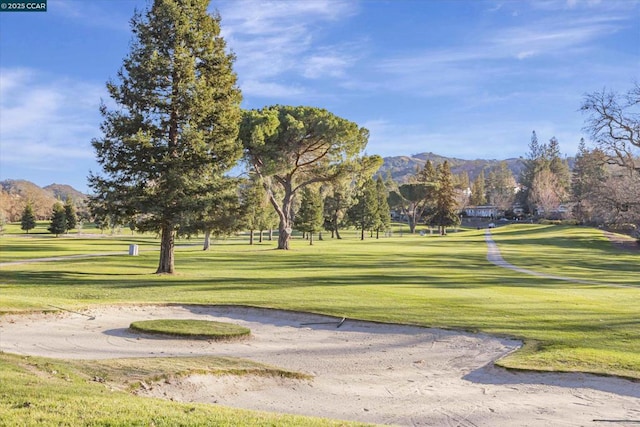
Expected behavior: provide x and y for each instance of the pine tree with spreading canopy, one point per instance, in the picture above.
(173, 132)
(418, 194)
(293, 147)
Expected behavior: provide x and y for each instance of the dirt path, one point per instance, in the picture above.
(362, 371)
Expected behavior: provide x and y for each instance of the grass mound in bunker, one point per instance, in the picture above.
(192, 329)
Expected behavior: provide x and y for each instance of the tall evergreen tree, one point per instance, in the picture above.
(28, 218)
(309, 217)
(544, 166)
(364, 214)
(444, 214)
(532, 164)
(256, 206)
(589, 176)
(382, 206)
(478, 192)
(462, 181)
(220, 213)
(342, 192)
(336, 204)
(174, 131)
(58, 223)
(560, 168)
(70, 214)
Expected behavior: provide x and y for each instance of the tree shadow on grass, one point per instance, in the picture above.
(465, 277)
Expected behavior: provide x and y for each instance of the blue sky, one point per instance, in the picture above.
(462, 78)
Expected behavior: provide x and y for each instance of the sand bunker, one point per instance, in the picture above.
(362, 371)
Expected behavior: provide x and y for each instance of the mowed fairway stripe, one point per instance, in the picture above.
(495, 257)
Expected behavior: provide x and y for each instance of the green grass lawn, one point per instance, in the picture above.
(17, 245)
(42, 227)
(46, 392)
(432, 281)
(192, 328)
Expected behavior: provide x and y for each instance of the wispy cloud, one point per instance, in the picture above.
(271, 89)
(275, 41)
(274, 17)
(552, 36)
(323, 65)
(504, 52)
(46, 122)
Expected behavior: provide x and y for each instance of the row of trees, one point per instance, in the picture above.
(177, 129)
(63, 217)
(606, 179)
(431, 196)
(603, 188)
(546, 178)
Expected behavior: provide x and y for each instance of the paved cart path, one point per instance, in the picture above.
(495, 257)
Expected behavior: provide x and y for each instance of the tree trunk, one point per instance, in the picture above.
(167, 244)
(310, 238)
(207, 240)
(284, 233)
(362, 233)
(412, 223)
(335, 226)
(285, 227)
(320, 236)
(260, 236)
(270, 234)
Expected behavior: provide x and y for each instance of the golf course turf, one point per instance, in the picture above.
(435, 281)
(194, 329)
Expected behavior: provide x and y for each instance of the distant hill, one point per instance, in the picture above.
(63, 191)
(15, 193)
(403, 167)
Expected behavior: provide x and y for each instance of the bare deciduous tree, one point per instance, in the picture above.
(614, 125)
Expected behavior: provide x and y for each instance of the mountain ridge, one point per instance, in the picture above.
(403, 167)
(16, 193)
